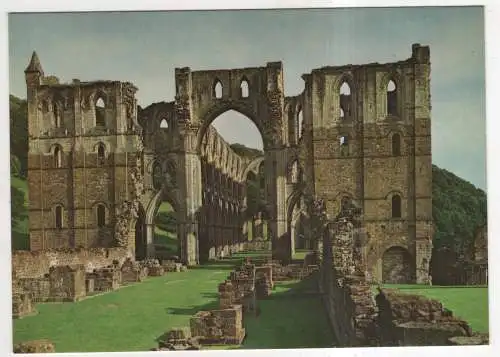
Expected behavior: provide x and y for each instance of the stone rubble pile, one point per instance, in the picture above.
(35, 346)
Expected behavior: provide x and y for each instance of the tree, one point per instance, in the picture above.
(19, 132)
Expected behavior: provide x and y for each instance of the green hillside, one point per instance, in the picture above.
(458, 206)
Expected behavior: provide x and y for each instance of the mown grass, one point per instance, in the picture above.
(131, 318)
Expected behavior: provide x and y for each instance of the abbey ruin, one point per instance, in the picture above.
(99, 165)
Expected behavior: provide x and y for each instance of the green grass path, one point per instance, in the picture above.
(131, 318)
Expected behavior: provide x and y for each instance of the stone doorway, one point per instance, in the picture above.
(396, 266)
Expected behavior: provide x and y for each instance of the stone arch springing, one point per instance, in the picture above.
(101, 215)
(58, 216)
(396, 206)
(244, 88)
(345, 100)
(396, 144)
(100, 112)
(57, 156)
(223, 107)
(218, 89)
(396, 266)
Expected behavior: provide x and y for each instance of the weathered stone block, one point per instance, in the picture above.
(35, 346)
(22, 306)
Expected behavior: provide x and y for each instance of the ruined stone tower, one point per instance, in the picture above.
(356, 132)
(83, 140)
(370, 140)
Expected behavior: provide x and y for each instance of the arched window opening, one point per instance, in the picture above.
(392, 99)
(397, 267)
(345, 101)
(244, 89)
(100, 117)
(101, 215)
(345, 202)
(101, 153)
(57, 157)
(344, 145)
(396, 145)
(300, 125)
(58, 217)
(57, 116)
(218, 90)
(157, 177)
(396, 206)
(164, 124)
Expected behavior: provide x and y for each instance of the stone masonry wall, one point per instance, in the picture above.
(36, 264)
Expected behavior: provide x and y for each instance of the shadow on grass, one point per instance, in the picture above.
(212, 305)
(291, 317)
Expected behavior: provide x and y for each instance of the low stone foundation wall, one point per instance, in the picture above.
(105, 279)
(132, 272)
(36, 346)
(257, 245)
(172, 266)
(292, 271)
(35, 264)
(219, 326)
(67, 283)
(22, 306)
(351, 310)
(413, 320)
(62, 283)
(39, 289)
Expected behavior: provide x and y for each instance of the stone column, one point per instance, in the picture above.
(281, 245)
(150, 234)
(193, 194)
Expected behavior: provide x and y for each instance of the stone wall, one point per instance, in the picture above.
(347, 297)
(22, 306)
(257, 245)
(413, 320)
(36, 264)
(219, 326)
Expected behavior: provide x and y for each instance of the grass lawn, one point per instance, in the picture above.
(300, 254)
(131, 318)
(166, 229)
(468, 303)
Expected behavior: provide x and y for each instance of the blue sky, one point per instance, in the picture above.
(145, 48)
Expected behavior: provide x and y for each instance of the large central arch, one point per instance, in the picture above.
(202, 96)
(177, 130)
